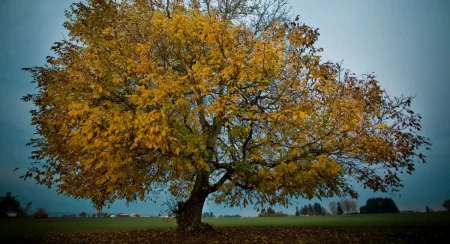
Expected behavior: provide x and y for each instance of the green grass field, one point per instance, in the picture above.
(62, 225)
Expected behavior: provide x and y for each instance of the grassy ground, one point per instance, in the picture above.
(20, 227)
(62, 225)
(375, 220)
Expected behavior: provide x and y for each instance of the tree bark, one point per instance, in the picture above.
(189, 213)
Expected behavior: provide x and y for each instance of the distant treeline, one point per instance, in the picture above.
(309, 209)
(271, 213)
(230, 216)
(208, 215)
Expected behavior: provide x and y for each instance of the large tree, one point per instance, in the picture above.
(446, 204)
(318, 209)
(348, 205)
(333, 207)
(223, 100)
(379, 205)
(339, 210)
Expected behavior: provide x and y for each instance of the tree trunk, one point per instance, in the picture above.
(189, 213)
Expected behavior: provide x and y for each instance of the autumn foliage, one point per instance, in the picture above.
(190, 98)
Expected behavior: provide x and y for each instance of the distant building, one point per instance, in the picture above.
(121, 215)
(112, 216)
(134, 215)
(11, 214)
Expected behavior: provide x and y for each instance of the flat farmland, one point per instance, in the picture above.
(380, 228)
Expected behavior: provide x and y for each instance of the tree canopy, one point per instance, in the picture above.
(333, 207)
(225, 100)
(349, 205)
(309, 209)
(379, 205)
(339, 209)
(446, 204)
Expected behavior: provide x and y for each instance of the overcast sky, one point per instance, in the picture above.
(403, 41)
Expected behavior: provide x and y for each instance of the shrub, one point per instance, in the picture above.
(40, 214)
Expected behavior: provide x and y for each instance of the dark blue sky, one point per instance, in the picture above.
(405, 42)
